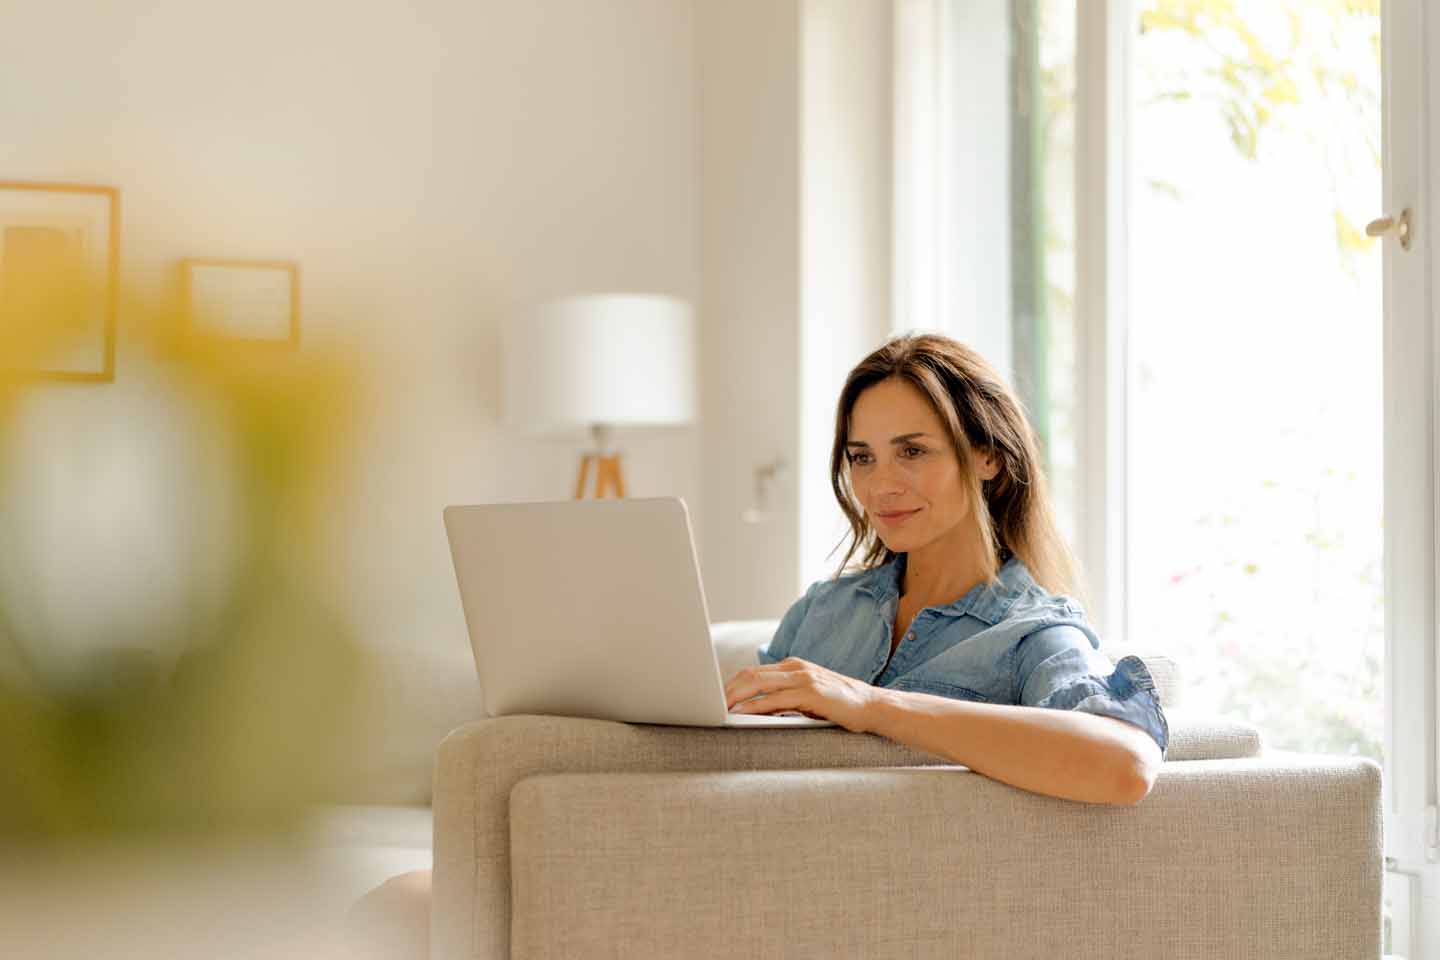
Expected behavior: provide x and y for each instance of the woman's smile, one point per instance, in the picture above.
(895, 519)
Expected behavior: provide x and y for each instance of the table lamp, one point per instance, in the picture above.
(598, 361)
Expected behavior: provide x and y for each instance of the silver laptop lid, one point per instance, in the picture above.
(588, 608)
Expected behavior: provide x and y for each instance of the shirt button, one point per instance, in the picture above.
(910, 635)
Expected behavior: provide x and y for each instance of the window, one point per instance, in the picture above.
(1255, 424)
(1252, 493)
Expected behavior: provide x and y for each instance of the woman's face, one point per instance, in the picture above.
(901, 460)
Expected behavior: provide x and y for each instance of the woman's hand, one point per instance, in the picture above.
(795, 684)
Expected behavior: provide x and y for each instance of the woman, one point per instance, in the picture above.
(956, 634)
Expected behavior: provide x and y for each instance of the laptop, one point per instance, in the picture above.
(592, 608)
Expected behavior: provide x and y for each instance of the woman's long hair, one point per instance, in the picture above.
(980, 412)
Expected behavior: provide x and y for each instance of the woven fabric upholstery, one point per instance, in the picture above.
(479, 763)
(1165, 671)
(1198, 736)
(1227, 858)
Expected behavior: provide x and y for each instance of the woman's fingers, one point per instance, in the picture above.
(748, 677)
(756, 680)
(773, 702)
(747, 683)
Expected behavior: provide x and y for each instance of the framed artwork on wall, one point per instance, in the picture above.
(249, 301)
(49, 230)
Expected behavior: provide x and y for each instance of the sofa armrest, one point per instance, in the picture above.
(1275, 859)
(1195, 735)
(479, 763)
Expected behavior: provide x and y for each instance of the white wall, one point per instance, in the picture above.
(749, 79)
(953, 105)
(433, 168)
(795, 252)
(846, 261)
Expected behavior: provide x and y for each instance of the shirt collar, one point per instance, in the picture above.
(988, 601)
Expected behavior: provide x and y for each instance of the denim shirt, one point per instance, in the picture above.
(1009, 642)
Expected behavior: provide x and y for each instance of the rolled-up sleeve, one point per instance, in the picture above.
(1058, 667)
(779, 646)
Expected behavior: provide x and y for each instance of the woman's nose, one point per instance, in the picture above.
(886, 479)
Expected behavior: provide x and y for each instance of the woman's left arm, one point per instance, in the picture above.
(1061, 753)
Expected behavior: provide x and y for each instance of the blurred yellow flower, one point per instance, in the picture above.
(169, 663)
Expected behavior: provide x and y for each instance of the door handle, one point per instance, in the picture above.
(1400, 227)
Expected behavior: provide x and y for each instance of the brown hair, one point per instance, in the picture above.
(980, 412)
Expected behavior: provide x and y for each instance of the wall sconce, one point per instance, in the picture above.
(758, 511)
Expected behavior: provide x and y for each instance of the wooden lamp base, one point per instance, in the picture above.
(608, 476)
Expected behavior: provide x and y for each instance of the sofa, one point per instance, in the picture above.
(572, 837)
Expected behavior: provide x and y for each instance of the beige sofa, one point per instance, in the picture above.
(568, 837)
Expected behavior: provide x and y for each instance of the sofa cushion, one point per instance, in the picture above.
(736, 643)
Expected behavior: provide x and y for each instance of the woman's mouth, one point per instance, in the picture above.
(894, 519)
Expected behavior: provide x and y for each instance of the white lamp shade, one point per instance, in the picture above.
(614, 359)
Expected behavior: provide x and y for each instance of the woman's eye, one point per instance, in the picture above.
(857, 457)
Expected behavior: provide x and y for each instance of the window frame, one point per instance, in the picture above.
(1412, 437)
(1103, 111)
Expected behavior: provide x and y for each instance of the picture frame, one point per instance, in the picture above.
(76, 225)
(251, 302)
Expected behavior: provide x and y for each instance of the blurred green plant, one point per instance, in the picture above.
(226, 715)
